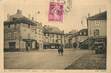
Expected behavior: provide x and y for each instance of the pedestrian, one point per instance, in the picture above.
(75, 45)
(58, 47)
(60, 50)
(26, 47)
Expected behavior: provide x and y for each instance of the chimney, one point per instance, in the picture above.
(19, 11)
(88, 14)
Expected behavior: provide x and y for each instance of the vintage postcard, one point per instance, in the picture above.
(55, 35)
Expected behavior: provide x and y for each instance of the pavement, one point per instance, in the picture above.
(45, 59)
(90, 62)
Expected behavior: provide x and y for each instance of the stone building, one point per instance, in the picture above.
(71, 39)
(74, 39)
(97, 26)
(82, 35)
(82, 39)
(53, 37)
(21, 33)
(68, 40)
(39, 35)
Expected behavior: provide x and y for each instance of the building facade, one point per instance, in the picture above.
(78, 37)
(39, 35)
(82, 35)
(53, 37)
(97, 25)
(21, 33)
(82, 39)
(70, 39)
(97, 30)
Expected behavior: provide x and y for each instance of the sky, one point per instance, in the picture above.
(71, 21)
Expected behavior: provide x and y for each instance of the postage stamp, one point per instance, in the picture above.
(56, 11)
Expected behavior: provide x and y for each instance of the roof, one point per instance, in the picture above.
(72, 31)
(100, 16)
(81, 32)
(19, 18)
(50, 29)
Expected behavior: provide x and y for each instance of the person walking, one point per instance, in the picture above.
(60, 50)
(27, 49)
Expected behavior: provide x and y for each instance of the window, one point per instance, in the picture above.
(96, 32)
(9, 26)
(12, 25)
(56, 41)
(53, 35)
(96, 22)
(35, 31)
(84, 33)
(57, 36)
(12, 45)
(80, 33)
(97, 25)
(53, 40)
(15, 35)
(46, 35)
(9, 35)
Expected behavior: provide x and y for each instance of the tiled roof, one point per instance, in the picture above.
(49, 29)
(100, 16)
(82, 32)
(20, 20)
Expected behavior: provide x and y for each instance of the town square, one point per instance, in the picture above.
(60, 36)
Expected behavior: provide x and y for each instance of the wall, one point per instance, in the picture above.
(97, 24)
(11, 34)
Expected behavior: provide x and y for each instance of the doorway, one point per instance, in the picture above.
(12, 45)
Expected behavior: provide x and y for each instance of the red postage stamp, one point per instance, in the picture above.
(55, 11)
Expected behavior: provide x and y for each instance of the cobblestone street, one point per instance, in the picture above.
(45, 59)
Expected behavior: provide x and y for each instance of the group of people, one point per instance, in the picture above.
(59, 47)
(60, 50)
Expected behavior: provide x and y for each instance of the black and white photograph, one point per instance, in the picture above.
(55, 34)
